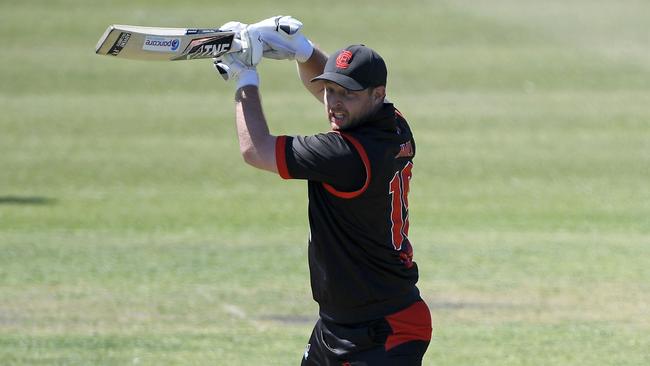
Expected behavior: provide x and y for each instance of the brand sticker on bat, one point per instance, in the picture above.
(161, 44)
(122, 40)
(213, 46)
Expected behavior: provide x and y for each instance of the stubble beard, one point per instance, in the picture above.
(357, 121)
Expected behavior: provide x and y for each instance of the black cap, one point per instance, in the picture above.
(355, 67)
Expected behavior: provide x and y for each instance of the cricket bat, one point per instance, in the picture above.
(165, 44)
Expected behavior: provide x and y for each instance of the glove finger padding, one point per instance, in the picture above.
(222, 69)
(288, 25)
(233, 26)
(252, 46)
(282, 38)
(281, 23)
(247, 41)
(231, 67)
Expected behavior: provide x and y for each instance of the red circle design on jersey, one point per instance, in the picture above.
(343, 59)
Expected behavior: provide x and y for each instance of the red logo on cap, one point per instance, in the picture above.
(343, 60)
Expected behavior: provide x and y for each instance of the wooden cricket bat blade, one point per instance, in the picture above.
(165, 44)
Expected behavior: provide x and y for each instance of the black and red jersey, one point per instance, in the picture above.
(360, 258)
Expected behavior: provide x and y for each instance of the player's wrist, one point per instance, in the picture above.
(248, 77)
(304, 51)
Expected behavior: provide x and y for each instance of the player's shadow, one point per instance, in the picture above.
(26, 200)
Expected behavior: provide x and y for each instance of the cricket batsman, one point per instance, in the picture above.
(358, 173)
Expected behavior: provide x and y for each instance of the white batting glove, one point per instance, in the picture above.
(248, 40)
(231, 67)
(282, 38)
(233, 26)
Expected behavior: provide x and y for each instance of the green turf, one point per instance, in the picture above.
(132, 233)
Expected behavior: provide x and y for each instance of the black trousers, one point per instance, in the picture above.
(400, 339)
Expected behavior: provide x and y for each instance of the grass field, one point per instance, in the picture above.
(132, 233)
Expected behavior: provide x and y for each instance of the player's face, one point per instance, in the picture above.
(346, 108)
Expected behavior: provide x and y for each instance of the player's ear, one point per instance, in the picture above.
(379, 93)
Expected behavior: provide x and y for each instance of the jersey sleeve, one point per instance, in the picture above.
(328, 158)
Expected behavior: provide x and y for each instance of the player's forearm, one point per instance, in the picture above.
(310, 69)
(256, 144)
